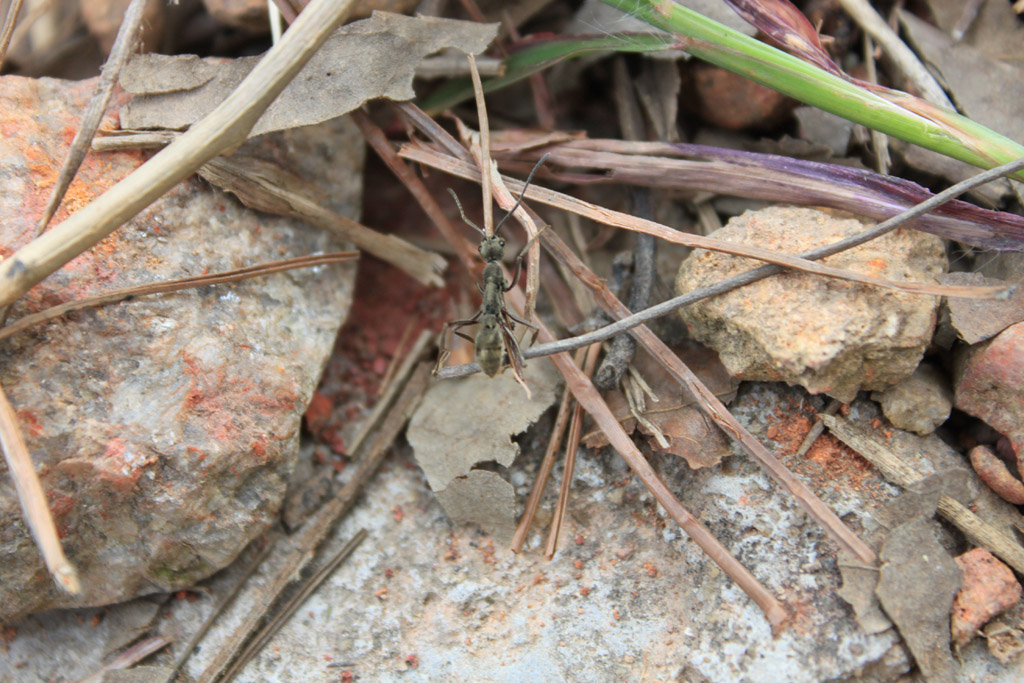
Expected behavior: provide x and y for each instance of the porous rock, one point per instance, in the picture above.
(989, 589)
(919, 403)
(164, 428)
(830, 336)
(989, 384)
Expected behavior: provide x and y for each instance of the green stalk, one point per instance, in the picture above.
(932, 127)
(530, 60)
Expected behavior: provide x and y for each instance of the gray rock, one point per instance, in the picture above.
(920, 403)
(830, 336)
(164, 429)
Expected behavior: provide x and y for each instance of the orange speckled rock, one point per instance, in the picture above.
(990, 384)
(165, 428)
(989, 589)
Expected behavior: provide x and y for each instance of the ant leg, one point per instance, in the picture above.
(442, 346)
(512, 316)
(522, 253)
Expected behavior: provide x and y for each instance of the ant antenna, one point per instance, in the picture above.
(521, 195)
(463, 213)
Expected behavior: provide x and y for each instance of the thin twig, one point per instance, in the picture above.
(754, 275)
(572, 444)
(124, 46)
(547, 464)
(224, 128)
(33, 500)
(7, 31)
(265, 186)
(317, 528)
(174, 286)
(897, 470)
(269, 630)
(222, 604)
(628, 222)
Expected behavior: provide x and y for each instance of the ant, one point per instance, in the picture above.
(495, 344)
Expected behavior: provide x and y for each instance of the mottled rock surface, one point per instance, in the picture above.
(989, 589)
(164, 428)
(919, 403)
(989, 384)
(830, 336)
(627, 597)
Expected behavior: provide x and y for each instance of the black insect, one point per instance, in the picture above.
(495, 344)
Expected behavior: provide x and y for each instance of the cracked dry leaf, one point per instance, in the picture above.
(482, 498)
(690, 435)
(364, 60)
(461, 423)
(917, 583)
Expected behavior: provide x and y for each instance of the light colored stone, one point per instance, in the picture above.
(919, 403)
(830, 336)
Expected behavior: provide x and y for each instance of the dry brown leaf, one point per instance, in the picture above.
(689, 435)
(916, 587)
(364, 60)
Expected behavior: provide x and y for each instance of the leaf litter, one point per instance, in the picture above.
(365, 60)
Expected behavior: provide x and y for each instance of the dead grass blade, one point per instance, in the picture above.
(223, 129)
(122, 49)
(179, 284)
(547, 464)
(376, 139)
(622, 220)
(571, 446)
(33, 500)
(268, 187)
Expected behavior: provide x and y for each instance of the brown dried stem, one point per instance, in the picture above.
(621, 220)
(33, 500)
(484, 158)
(546, 465)
(121, 51)
(174, 286)
(571, 446)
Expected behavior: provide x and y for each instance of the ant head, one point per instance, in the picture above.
(492, 248)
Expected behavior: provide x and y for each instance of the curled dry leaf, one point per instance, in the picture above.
(688, 433)
(364, 60)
